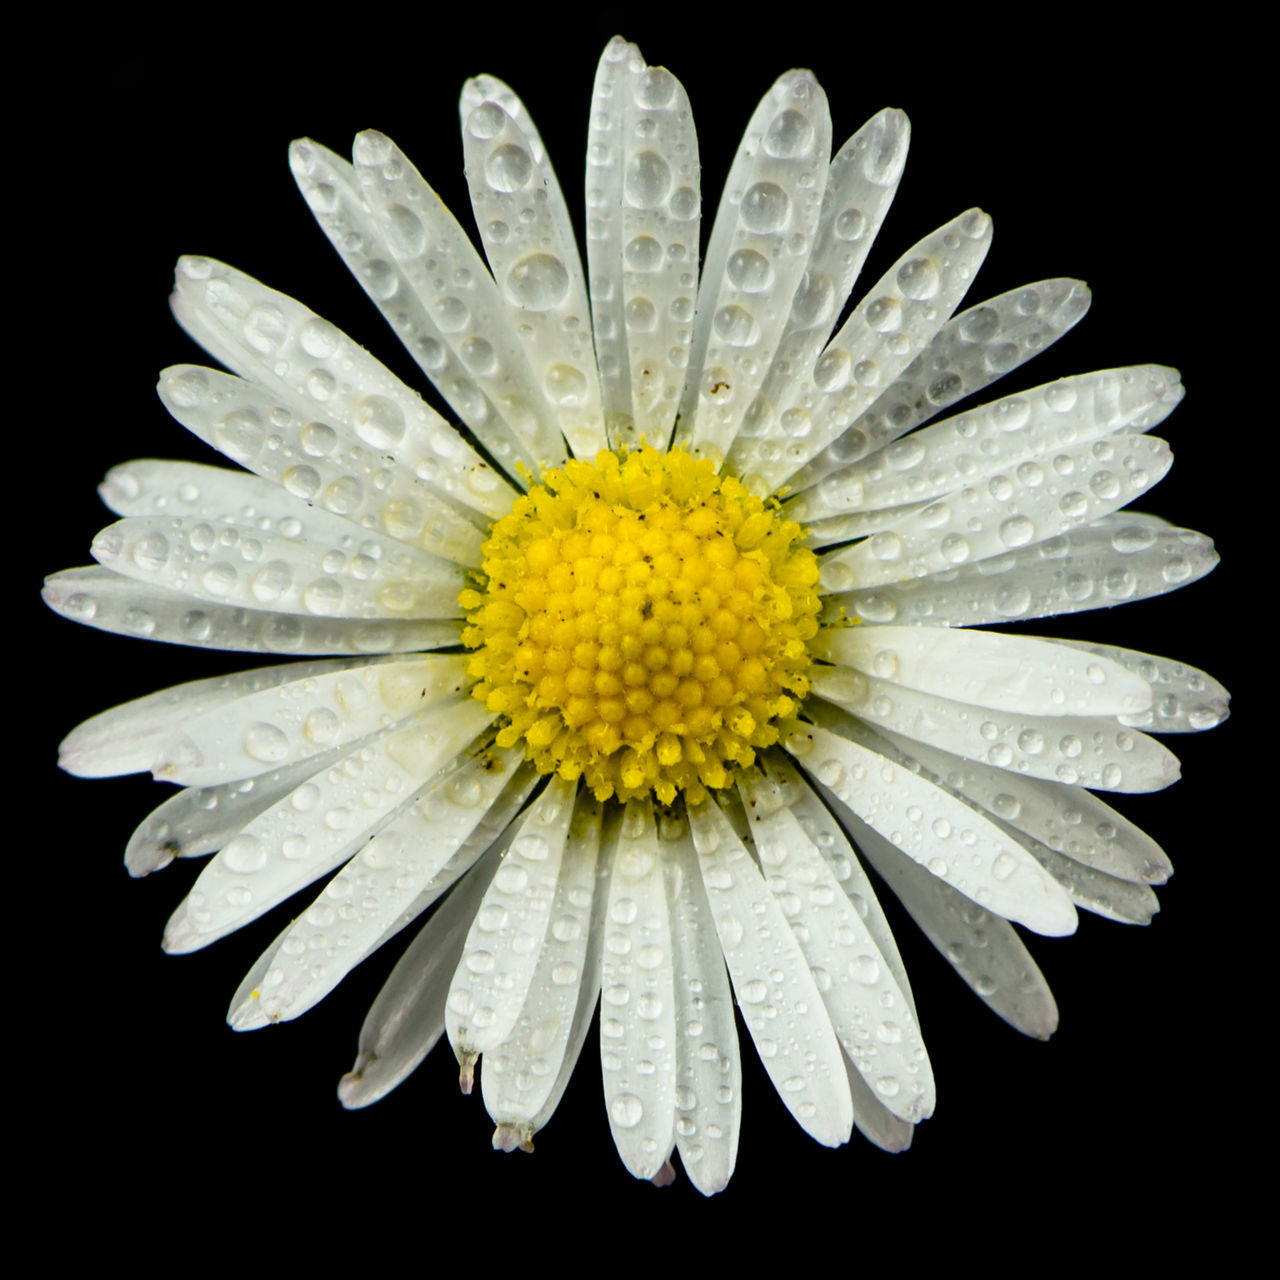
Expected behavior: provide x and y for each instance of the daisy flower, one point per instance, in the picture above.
(647, 661)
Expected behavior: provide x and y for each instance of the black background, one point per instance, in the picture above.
(1100, 154)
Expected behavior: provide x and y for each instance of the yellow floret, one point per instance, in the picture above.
(640, 623)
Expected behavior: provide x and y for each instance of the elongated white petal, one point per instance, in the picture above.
(498, 961)
(1095, 891)
(1184, 699)
(982, 948)
(528, 239)
(997, 437)
(643, 213)
(490, 830)
(873, 1119)
(519, 1075)
(954, 842)
(774, 985)
(273, 340)
(407, 1018)
(319, 825)
(887, 330)
(861, 183)
(127, 738)
(708, 1065)
(453, 318)
(1078, 750)
(161, 486)
(299, 566)
(1122, 898)
(491, 835)
(1037, 501)
(971, 351)
(870, 1014)
(431, 318)
(760, 245)
(584, 1015)
(290, 445)
(356, 908)
(200, 820)
(637, 1011)
(831, 530)
(1067, 819)
(1119, 558)
(293, 721)
(110, 602)
(611, 96)
(798, 796)
(988, 669)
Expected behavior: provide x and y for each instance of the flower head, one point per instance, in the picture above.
(640, 665)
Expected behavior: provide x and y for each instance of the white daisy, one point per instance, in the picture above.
(676, 706)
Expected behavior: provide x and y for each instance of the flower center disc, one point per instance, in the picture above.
(642, 623)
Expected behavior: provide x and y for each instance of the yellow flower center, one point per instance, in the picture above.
(642, 623)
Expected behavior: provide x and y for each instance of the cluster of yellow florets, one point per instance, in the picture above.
(642, 624)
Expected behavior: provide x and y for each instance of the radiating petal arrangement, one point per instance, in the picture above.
(631, 676)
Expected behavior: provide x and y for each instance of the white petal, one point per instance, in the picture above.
(988, 669)
(611, 97)
(319, 825)
(861, 183)
(292, 445)
(354, 912)
(1096, 891)
(873, 1119)
(708, 1066)
(1078, 750)
(776, 991)
(1185, 699)
(996, 437)
(200, 820)
(826, 833)
(641, 241)
(519, 1075)
(407, 1018)
(127, 738)
(99, 598)
(869, 1012)
(584, 1015)
(1121, 557)
(293, 721)
(971, 351)
(161, 486)
(1069, 820)
(299, 565)
(760, 244)
(982, 948)
(638, 1031)
(956, 843)
(531, 247)
(498, 961)
(1119, 898)
(831, 530)
(274, 340)
(1033, 503)
(433, 288)
(887, 330)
